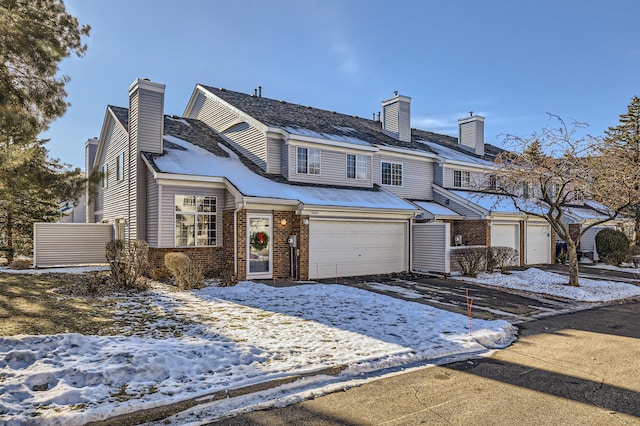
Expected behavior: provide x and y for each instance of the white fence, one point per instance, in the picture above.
(431, 246)
(57, 244)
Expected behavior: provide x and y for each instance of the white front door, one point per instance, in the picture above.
(259, 244)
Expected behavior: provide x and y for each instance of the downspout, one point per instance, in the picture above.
(410, 244)
(235, 234)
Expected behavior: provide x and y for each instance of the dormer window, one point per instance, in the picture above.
(461, 179)
(493, 183)
(391, 173)
(308, 161)
(356, 167)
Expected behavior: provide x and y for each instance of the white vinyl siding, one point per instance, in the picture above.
(250, 141)
(152, 210)
(70, 243)
(461, 209)
(168, 215)
(417, 176)
(431, 247)
(333, 169)
(111, 201)
(274, 155)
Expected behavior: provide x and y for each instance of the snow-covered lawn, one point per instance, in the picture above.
(538, 281)
(224, 338)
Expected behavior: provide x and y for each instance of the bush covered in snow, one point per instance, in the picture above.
(612, 246)
(187, 274)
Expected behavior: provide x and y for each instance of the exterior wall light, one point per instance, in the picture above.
(283, 222)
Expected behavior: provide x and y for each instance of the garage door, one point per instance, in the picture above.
(350, 248)
(538, 241)
(505, 235)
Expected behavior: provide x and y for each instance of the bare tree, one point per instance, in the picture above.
(548, 171)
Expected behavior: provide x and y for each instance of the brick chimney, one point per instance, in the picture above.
(396, 117)
(471, 133)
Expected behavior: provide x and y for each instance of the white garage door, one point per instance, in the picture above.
(538, 241)
(350, 248)
(506, 235)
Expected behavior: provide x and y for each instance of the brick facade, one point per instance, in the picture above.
(212, 259)
(474, 232)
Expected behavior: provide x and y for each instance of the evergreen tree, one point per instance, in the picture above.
(35, 35)
(622, 153)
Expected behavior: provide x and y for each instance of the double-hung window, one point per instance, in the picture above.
(308, 160)
(391, 173)
(195, 220)
(461, 179)
(356, 166)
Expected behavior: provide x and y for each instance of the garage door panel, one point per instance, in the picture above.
(349, 248)
(538, 240)
(506, 235)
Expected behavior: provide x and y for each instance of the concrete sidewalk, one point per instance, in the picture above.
(576, 369)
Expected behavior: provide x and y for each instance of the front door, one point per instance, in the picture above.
(259, 253)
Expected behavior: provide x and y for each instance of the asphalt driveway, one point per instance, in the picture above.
(488, 303)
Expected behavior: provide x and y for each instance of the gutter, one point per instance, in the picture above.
(235, 234)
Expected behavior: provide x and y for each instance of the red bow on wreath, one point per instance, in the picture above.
(260, 237)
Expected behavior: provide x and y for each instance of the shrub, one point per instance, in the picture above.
(501, 258)
(186, 273)
(20, 264)
(228, 279)
(128, 261)
(634, 253)
(471, 260)
(612, 246)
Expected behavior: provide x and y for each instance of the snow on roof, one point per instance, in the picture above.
(496, 203)
(584, 213)
(329, 136)
(435, 209)
(452, 154)
(189, 159)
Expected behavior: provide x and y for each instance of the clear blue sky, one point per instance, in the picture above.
(510, 61)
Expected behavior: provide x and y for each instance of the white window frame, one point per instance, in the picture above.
(360, 166)
(105, 175)
(463, 178)
(198, 213)
(392, 176)
(313, 160)
(120, 167)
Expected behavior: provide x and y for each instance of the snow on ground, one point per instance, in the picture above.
(223, 338)
(538, 281)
